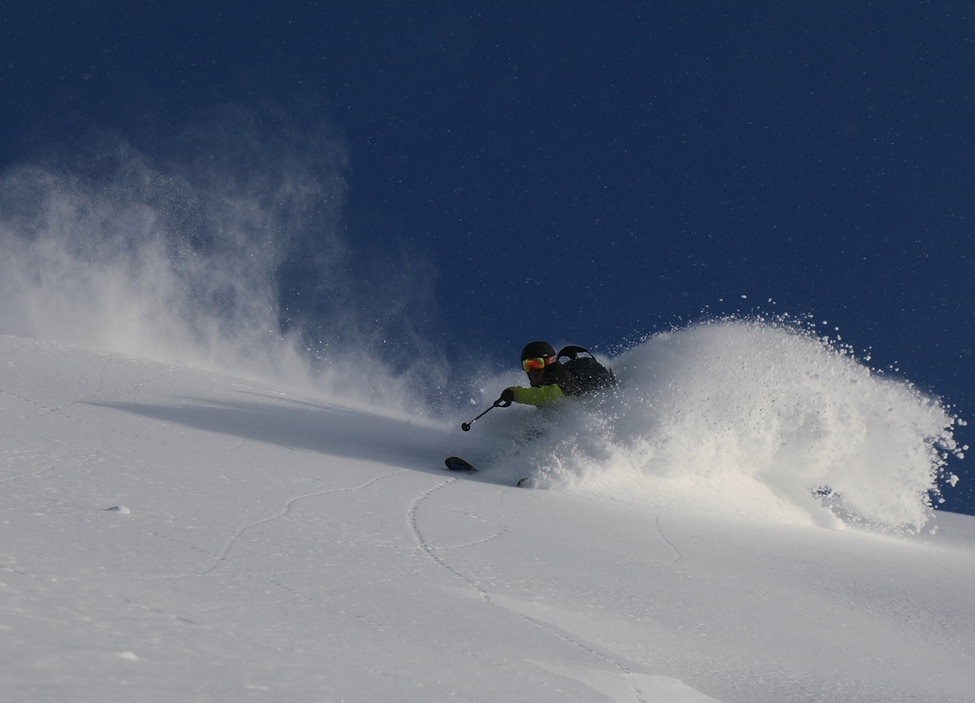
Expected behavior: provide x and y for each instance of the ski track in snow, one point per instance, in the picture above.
(422, 542)
(677, 555)
(287, 509)
(224, 555)
(934, 561)
(427, 548)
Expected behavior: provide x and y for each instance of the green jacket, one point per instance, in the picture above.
(558, 384)
(541, 396)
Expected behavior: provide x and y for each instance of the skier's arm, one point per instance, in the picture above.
(544, 395)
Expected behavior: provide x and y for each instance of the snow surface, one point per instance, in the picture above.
(176, 534)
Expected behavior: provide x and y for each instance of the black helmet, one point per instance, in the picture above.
(535, 350)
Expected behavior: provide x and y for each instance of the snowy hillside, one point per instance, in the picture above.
(175, 535)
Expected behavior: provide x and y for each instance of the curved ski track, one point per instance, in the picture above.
(431, 552)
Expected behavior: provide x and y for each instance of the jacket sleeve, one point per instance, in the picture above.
(544, 395)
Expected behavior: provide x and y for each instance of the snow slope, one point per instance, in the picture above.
(173, 534)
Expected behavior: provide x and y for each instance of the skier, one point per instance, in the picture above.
(546, 376)
(550, 380)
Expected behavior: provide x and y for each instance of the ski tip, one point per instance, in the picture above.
(455, 463)
(526, 482)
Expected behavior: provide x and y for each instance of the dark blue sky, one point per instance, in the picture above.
(577, 172)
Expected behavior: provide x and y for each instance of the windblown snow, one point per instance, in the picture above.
(177, 534)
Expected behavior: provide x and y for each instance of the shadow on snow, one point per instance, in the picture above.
(310, 426)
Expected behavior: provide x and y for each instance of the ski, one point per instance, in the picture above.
(455, 463)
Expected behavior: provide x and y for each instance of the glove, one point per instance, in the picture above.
(507, 397)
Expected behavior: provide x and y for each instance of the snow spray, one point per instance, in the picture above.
(757, 418)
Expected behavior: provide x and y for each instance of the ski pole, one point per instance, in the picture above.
(466, 426)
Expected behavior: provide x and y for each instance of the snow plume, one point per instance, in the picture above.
(224, 249)
(749, 418)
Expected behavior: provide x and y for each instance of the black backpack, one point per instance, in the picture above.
(584, 373)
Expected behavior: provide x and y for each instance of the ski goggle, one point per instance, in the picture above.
(537, 363)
